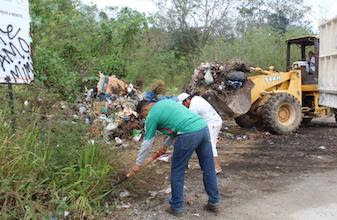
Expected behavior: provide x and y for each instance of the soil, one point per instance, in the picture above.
(264, 176)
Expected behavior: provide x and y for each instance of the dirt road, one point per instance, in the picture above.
(265, 177)
(311, 197)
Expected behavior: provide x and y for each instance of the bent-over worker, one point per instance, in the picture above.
(201, 107)
(191, 134)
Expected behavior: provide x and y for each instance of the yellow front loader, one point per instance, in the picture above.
(280, 101)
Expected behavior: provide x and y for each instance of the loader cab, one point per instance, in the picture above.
(298, 57)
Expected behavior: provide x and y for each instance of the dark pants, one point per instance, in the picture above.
(184, 147)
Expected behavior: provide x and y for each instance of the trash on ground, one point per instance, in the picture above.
(137, 135)
(165, 157)
(162, 192)
(229, 135)
(322, 147)
(118, 141)
(240, 138)
(66, 213)
(63, 105)
(124, 194)
(110, 109)
(124, 206)
(82, 109)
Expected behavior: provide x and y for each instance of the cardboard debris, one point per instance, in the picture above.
(111, 85)
(98, 106)
(158, 87)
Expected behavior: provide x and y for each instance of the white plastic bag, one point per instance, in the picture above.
(208, 77)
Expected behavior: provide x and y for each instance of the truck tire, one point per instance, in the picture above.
(247, 121)
(335, 111)
(282, 113)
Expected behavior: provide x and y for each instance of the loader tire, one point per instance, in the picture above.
(282, 114)
(247, 121)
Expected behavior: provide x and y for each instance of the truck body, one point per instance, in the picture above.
(327, 77)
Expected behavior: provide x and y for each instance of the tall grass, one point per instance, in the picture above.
(48, 167)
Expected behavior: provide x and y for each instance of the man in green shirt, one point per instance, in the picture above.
(190, 133)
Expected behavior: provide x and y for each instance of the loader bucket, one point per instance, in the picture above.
(231, 104)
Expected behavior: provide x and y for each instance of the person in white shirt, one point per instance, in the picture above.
(312, 65)
(202, 108)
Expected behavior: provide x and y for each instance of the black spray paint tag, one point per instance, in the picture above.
(15, 42)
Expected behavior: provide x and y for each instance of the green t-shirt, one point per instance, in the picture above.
(171, 118)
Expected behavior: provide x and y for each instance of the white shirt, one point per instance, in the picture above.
(202, 108)
(312, 64)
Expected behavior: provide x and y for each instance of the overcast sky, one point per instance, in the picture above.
(322, 9)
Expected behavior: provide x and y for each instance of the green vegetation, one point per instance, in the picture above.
(261, 47)
(72, 42)
(49, 167)
(50, 164)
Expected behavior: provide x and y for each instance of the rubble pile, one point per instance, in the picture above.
(224, 85)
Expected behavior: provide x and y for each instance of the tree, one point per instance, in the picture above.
(286, 13)
(279, 14)
(130, 26)
(251, 14)
(193, 22)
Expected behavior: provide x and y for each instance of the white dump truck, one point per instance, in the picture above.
(327, 77)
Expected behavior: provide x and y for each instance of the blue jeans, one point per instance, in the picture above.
(184, 147)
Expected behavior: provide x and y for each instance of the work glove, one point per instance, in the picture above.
(133, 170)
(160, 152)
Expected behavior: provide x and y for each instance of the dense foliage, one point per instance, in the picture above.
(72, 41)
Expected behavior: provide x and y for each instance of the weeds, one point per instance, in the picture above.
(49, 166)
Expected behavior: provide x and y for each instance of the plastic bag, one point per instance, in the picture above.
(208, 77)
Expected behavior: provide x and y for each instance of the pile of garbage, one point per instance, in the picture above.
(224, 85)
(110, 108)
